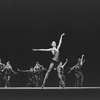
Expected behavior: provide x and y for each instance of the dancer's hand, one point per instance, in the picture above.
(18, 69)
(83, 55)
(34, 49)
(70, 68)
(63, 34)
(16, 73)
(66, 59)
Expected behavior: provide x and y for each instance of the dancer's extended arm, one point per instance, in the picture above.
(44, 68)
(82, 61)
(82, 58)
(72, 68)
(60, 41)
(23, 70)
(65, 63)
(13, 71)
(42, 49)
(3, 68)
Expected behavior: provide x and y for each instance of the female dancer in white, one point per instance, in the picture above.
(55, 59)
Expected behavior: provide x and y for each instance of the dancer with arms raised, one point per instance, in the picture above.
(78, 72)
(55, 59)
(60, 71)
(7, 73)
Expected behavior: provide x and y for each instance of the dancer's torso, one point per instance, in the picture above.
(1, 68)
(38, 70)
(78, 70)
(7, 71)
(30, 74)
(55, 53)
(60, 70)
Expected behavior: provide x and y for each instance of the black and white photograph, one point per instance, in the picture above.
(48, 45)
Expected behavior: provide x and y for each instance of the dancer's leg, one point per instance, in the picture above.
(81, 80)
(8, 83)
(63, 78)
(32, 81)
(76, 80)
(47, 74)
(37, 80)
(41, 78)
(60, 78)
(0, 79)
(5, 77)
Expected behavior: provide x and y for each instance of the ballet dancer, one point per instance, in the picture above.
(60, 71)
(30, 75)
(1, 74)
(78, 72)
(55, 60)
(7, 73)
(38, 72)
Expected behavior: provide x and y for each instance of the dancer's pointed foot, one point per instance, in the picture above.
(5, 86)
(63, 84)
(43, 85)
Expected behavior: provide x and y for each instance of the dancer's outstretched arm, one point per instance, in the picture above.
(22, 70)
(13, 71)
(44, 68)
(3, 68)
(42, 49)
(72, 68)
(60, 41)
(82, 57)
(65, 63)
(82, 61)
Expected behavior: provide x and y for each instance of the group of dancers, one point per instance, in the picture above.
(56, 64)
(35, 74)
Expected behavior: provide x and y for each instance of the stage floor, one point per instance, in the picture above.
(49, 88)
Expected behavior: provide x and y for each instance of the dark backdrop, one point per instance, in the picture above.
(27, 24)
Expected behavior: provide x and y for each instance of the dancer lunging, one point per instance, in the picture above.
(38, 73)
(55, 59)
(30, 76)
